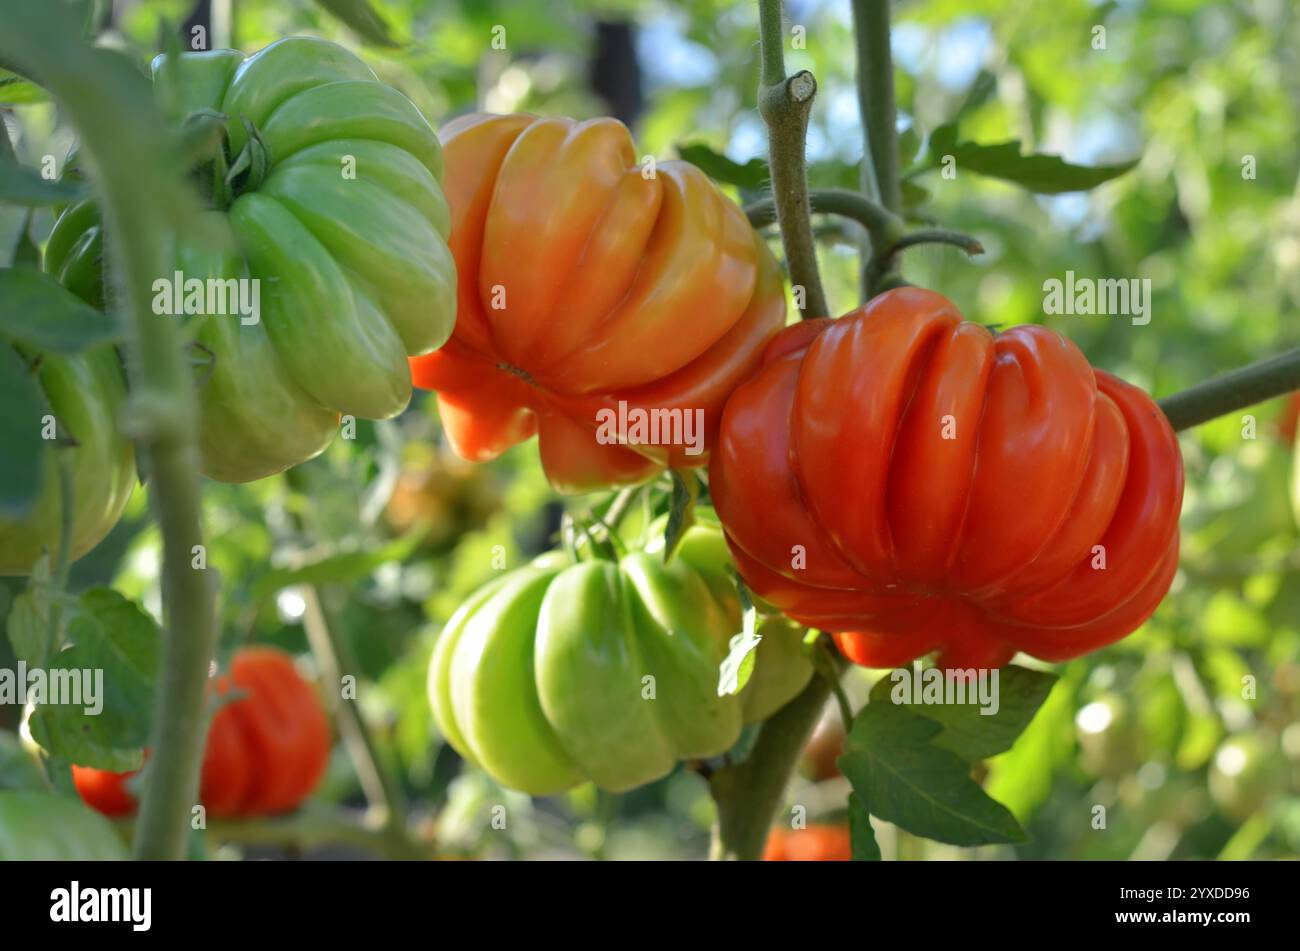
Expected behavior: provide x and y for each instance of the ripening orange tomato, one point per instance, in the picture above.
(925, 484)
(816, 843)
(593, 292)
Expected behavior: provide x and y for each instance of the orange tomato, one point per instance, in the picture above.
(816, 843)
(926, 485)
(586, 284)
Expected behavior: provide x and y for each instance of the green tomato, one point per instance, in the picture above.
(1247, 772)
(1108, 737)
(85, 393)
(41, 826)
(344, 228)
(557, 673)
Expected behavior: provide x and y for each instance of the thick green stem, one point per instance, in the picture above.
(879, 170)
(1234, 390)
(749, 793)
(141, 195)
(785, 105)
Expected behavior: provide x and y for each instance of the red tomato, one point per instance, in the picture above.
(265, 752)
(927, 485)
(104, 791)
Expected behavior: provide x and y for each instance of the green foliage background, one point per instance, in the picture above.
(1202, 94)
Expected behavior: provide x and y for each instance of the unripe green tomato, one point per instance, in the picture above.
(1108, 737)
(86, 393)
(42, 826)
(604, 671)
(1246, 774)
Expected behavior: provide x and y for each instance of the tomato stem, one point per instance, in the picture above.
(1234, 390)
(785, 104)
(143, 198)
(879, 168)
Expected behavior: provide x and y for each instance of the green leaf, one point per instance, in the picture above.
(681, 512)
(17, 91)
(29, 628)
(120, 646)
(341, 567)
(738, 666)
(19, 769)
(967, 731)
(25, 252)
(44, 315)
(897, 769)
(1044, 174)
(979, 92)
(21, 185)
(752, 175)
(362, 18)
(861, 835)
(22, 406)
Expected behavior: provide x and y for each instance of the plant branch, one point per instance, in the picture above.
(134, 167)
(884, 227)
(310, 828)
(333, 656)
(1234, 390)
(785, 105)
(879, 169)
(749, 793)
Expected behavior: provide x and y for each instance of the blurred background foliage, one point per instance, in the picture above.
(1185, 733)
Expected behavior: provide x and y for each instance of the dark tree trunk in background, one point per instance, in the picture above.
(201, 15)
(615, 74)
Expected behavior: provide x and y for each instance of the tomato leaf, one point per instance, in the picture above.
(18, 90)
(19, 768)
(738, 666)
(861, 835)
(22, 408)
(341, 566)
(1044, 174)
(753, 175)
(681, 511)
(42, 314)
(107, 683)
(363, 19)
(903, 777)
(969, 732)
(21, 185)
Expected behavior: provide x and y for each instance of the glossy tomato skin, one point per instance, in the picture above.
(104, 791)
(353, 271)
(86, 393)
(557, 674)
(267, 750)
(818, 842)
(584, 282)
(922, 484)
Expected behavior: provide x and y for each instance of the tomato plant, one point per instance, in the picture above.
(992, 565)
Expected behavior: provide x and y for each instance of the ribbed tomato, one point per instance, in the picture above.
(266, 750)
(588, 283)
(929, 485)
